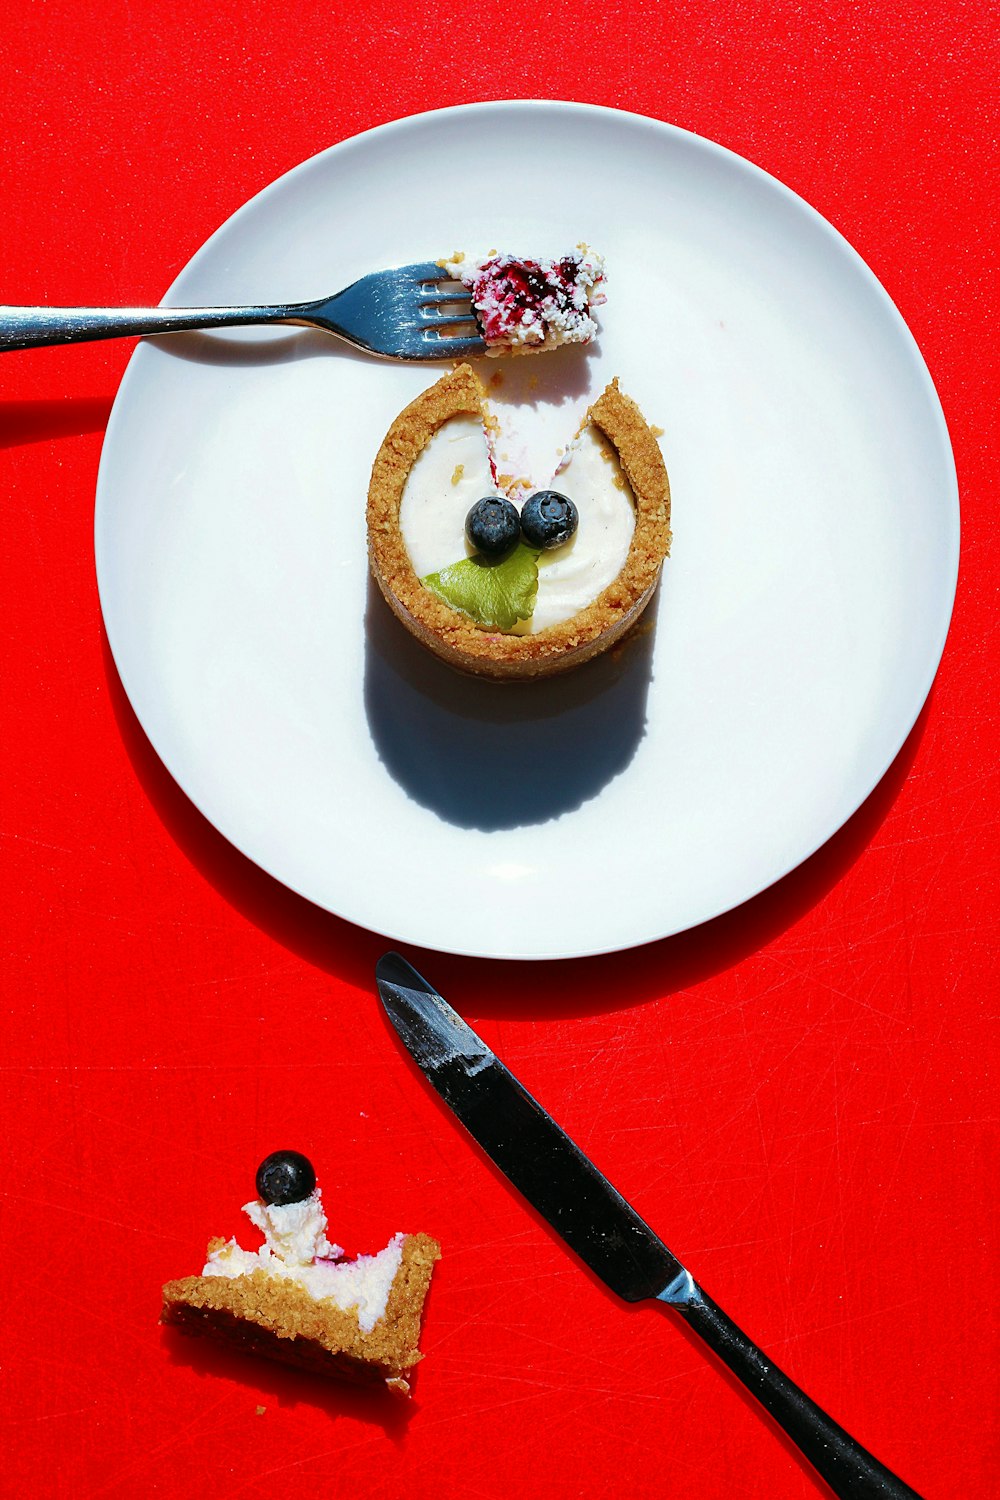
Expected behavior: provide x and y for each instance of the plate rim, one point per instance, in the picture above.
(950, 502)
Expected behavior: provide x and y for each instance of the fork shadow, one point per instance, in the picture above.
(559, 988)
(566, 375)
(246, 347)
(23, 422)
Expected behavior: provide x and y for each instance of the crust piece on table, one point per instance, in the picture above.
(270, 1316)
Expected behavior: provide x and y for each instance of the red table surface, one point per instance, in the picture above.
(797, 1095)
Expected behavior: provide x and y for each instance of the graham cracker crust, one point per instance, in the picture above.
(452, 635)
(265, 1315)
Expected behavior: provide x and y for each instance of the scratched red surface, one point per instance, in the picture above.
(797, 1095)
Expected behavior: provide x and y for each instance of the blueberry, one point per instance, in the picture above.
(548, 519)
(285, 1177)
(492, 525)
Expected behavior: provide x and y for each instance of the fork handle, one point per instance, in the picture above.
(850, 1470)
(36, 327)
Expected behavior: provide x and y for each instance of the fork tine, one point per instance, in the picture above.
(434, 283)
(443, 303)
(411, 312)
(443, 291)
(441, 315)
(445, 348)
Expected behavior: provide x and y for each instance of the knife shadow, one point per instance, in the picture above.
(758, 1413)
(644, 1307)
(489, 987)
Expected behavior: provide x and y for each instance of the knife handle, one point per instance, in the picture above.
(850, 1470)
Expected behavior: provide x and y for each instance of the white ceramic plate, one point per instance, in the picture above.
(799, 624)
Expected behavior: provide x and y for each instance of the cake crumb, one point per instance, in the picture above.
(261, 1410)
(618, 480)
(496, 379)
(656, 431)
(457, 476)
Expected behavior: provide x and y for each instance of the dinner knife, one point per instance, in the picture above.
(596, 1222)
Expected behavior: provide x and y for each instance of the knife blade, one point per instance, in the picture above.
(597, 1223)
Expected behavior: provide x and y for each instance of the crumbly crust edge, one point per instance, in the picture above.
(296, 1328)
(451, 634)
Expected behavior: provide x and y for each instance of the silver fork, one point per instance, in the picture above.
(412, 312)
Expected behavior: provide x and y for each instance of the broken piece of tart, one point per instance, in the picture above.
(298, 1298)
(570, 574)
(525, 305)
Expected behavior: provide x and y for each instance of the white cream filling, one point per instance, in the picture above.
(571, 577)
(295, 1233)
(449, 476)
(453, 472)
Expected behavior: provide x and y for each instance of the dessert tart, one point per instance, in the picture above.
(299, 1299)
(448, 558)
(524, 305)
